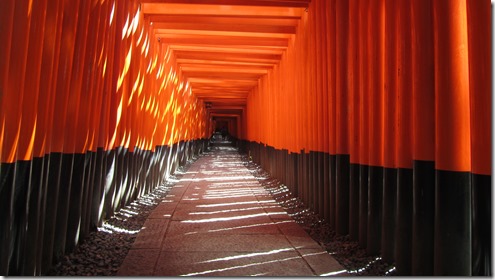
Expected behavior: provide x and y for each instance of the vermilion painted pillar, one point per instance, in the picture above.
(99, 120)
(363, 123)
(452, 243)
(74, 109)
(50, 65)
(324, 87)
(6, 168)
(32, 122)
(375, 92)
(480, 73)
(322, 103)
(90, 86)
(16, 167)
(6, 28)
(313, 95)
(354, 103)
(390, 126)
(59, 140)
(423, 87)
(42, 141)
(342, 121)
(331, 58)
(403, 247)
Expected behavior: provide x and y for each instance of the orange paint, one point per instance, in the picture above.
(331, 58)
(375, 83)
(453, 129)
(6, 23)
(404, 84)
(344, 78)
(341, 87)
(353, 81)
(14, 144)
(390, 84)
(480, 73)
(363, 85)
(423, 84)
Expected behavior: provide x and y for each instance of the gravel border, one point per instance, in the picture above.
(102, 252)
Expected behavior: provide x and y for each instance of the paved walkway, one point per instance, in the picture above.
(218, 221)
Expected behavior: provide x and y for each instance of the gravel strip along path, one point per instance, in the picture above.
(103, 251)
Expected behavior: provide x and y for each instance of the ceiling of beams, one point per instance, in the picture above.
(223, 47)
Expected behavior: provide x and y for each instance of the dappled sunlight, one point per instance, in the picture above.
(230, 210)
(390, 270)
(222, 202)
(278, 261)
(226, 196)
(113, 229)
(230, 204)
(214, 171)
(240, 217)
(233, 184)
(334, 273)
(250, 255)
(219, 178)
(240, 227)
(366, 266)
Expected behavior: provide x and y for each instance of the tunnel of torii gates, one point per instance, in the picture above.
(376, 113)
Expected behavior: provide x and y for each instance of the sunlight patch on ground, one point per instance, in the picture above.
(240, 266)
(212, 220)
(365, 267)
(113, 229)
(390, 270)
(230, 210)
(240, 227)
(250, 255)
(222, 178)
(333, 273)
(228, 204)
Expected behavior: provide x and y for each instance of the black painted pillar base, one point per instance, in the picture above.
(423, 217)
(389, 214)
(354, 201)
(22, 190)
(363, 205)
(109, 183)
(374, 210)
(320, 165)
(313, 202)
(63, 206)
(42, 224)
(98, 184)
(7, 173)
(482, 225)
(333, 191)
(403, 242)
(294, 167)
(452, 251)
(342, 194)
(51, 208)
(326, 187)
(75, 198)
(32, 246)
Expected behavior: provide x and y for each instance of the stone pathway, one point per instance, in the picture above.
(218, 221)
